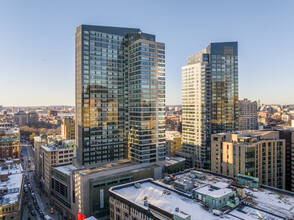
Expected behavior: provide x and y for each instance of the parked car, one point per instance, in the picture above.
(41, 214)
(47, 217)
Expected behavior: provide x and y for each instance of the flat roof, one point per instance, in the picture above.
(216, 190)
(9, 130)
(173, 160)
(156, 197)
(114, 168)
(12, 187)
(55, 147)
(66, 169)
(251, 213)
(273, 201)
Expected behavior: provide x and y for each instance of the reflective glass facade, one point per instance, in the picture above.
(210, 98)
(112, 72)
(147, 101)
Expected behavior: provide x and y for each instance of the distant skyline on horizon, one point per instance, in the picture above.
(38, 44)
(38, 106)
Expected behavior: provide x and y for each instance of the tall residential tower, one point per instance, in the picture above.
(120, 95)
(248, 115)
(209, 98)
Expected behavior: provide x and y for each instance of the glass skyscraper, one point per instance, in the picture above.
(209, 98)
(120, 95)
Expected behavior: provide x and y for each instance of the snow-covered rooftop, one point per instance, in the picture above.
(216, 190)
(55, 147)
(270, 203)
(273, 202)
(10, 189)
(66, 169)
(9, 130)
(251, 213)
(173, 160)
(156, 196)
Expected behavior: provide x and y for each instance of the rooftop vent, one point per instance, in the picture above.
(137, 185)
(167, 192)
(145, 201)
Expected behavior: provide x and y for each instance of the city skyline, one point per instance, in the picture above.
(132, 110)
(39, 62)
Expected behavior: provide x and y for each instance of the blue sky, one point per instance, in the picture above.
(37, 43)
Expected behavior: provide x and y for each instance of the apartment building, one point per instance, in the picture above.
(209, 100)
(254, 153)
(51, 151)
(9, 143)
(68, 128)
(120, 95)
(173, 142)
(248, 115)
(83, 190)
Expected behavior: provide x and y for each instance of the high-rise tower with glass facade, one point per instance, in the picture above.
(209, 99)
(120, 95)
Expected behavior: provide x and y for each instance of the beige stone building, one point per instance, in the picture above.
(248, 115)
(68, 128)
(173, 142)
(90, 185)
(39, 141)
(51, 151)
(255, 153)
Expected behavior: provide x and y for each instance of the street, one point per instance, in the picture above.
(36, 204)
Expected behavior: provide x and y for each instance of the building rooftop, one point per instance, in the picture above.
(252, 133)
(247, 133)
(173, 160)
(69, 141)
(156, 196)
(216, 190)
(55, 147)
(66, 169)
(270, 203)
(9, 130)
(10, 189)
(251, 213)
(274, 202)
(107, 166)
